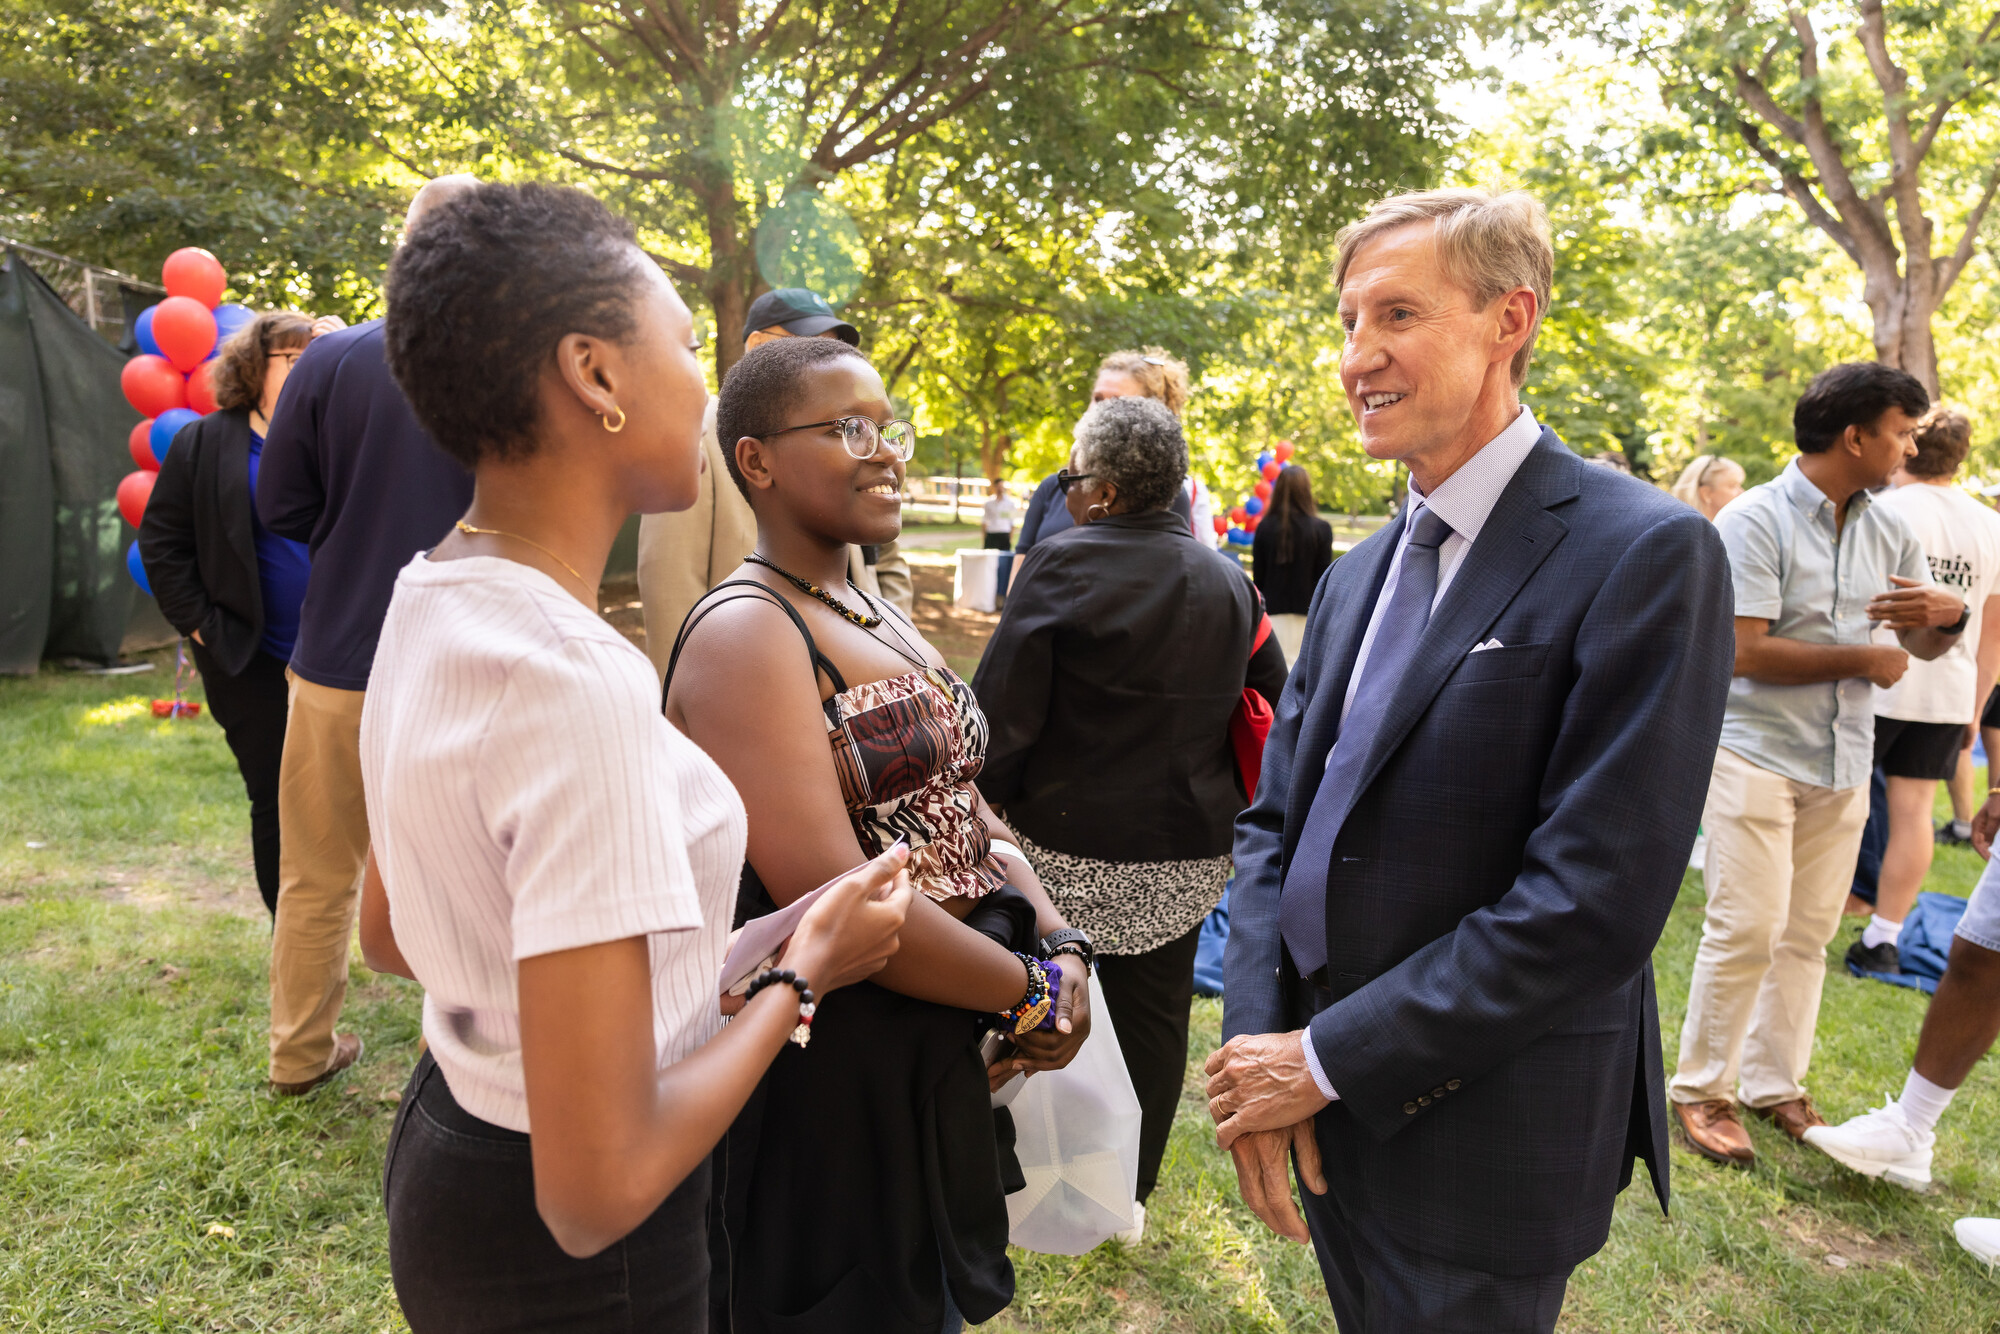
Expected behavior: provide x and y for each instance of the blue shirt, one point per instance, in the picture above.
(351, 473)
(1812, 584)
(282, 567)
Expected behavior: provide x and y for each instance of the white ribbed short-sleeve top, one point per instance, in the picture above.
(526, 796)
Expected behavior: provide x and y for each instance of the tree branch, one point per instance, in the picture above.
(1948, 272)
(1800, 190)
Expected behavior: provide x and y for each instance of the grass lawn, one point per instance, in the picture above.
(149, 1183)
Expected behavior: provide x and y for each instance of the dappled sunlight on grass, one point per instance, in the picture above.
(118, 711)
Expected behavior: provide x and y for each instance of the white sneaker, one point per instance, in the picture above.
(1980, 1236)
(1135, 1234)
(1881, 1143)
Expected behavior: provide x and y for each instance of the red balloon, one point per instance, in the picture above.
(1269, 472)
(1250, 524)
(152, 385)
(133, 493)
(1239, 514)
(1221, 524)
(195, 274)
(141, 448)
(1263, 491)
(200, 393)
(1283, 450)
(185, 331)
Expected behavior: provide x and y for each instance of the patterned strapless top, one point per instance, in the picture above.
(907, 749)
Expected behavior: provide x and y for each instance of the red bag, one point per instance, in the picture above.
(1251, 723)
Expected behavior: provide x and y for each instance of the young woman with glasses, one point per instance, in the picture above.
(863, 1187)
(222, 578)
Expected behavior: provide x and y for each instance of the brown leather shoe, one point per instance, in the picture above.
(346, 1051)
(1713, 1131)
(1794, 1117)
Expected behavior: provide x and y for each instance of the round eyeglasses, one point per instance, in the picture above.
(862, 436)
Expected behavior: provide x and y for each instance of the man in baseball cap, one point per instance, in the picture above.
(798, 312)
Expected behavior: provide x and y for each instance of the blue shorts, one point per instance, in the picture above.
(1981, 923)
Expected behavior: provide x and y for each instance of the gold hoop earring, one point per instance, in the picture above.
(1092, 513)
(621, 420)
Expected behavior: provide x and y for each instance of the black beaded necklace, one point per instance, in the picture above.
(811, 589)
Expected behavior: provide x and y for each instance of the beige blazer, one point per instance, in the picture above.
(683, 555)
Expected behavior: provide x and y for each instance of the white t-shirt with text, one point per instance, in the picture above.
(1961, 539)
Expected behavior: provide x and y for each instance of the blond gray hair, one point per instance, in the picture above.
(1488, 242)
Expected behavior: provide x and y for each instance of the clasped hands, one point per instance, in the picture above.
(1262, 1097)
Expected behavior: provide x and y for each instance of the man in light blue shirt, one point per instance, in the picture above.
(1816, 567)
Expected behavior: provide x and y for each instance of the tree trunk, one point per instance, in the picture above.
(1901, 309)
(733, 279)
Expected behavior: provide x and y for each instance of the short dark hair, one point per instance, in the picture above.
(482, 290)
(1944, 437)
(1136, 444)
(236, 376)
(761, 390)
(1854, 393)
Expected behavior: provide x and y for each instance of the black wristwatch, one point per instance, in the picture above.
(1069, 940)
(1957, 627)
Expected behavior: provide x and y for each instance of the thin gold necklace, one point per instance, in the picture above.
(465, 527)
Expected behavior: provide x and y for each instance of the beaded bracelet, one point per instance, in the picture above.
(1034, 1006)
(1054, 970)
(772, 977)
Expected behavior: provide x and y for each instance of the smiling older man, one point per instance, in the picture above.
(1476, 802)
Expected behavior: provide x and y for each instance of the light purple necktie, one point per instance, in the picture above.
(1302, 904)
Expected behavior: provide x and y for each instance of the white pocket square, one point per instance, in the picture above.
(1491, 643)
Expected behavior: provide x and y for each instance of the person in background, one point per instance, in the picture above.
(1290, 550)
(1135, 373)
(1708, 483)
(347, 470)
(1896, 1141)
(225, 580)
(1109, 683)
(1924, 723)
(685, 553)
(1814, 560)
(865, 1191)
(559, 860)
(997, 517)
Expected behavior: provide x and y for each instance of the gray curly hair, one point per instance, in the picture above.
(1135, 444)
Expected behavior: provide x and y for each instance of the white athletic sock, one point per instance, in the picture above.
(1961, 828)
(1879, 929)
(1923, 1102)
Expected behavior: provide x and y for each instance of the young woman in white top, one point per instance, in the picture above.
(559, 862)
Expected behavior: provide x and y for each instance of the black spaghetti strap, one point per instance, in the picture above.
(820, 662)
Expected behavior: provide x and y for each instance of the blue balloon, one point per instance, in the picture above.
(1238, 538)
(1250, 506)
(1266, 457)
(142, 332)
(165, 427)
(137, 568)
(229, 317)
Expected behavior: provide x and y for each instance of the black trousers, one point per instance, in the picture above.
(1149, 996)
(1377, 1285)
(251, 707)
(468, 1252)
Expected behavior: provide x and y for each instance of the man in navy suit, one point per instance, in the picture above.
(1477, 800)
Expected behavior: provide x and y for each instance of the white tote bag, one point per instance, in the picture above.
(1077, 1136)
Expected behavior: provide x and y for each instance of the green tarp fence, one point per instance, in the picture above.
(64, 423)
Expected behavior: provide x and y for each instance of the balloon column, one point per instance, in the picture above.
(1243, 518)
(168, 381)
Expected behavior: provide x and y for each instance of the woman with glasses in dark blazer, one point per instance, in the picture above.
(1109, 685)
(232, 587)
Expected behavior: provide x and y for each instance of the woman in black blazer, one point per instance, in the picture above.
(1292, 548)
(225, 582)
(1109, 685)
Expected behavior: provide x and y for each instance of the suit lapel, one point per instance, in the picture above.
(232, 488)
(1517, 537)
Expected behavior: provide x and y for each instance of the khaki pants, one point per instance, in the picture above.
(1780, 860)
(325, 827)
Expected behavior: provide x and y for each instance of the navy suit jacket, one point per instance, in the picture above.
(1502, 875)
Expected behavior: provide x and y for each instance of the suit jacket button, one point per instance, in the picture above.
(1451, 1084)
(1437, 1092)
(1423, 1102)
(1409, 1109)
